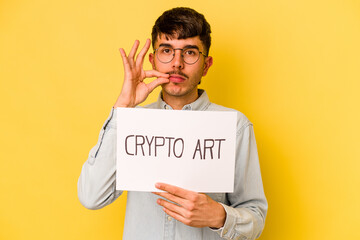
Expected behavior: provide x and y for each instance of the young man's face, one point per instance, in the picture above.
(184, 77)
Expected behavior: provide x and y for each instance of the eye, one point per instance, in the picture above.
(190, 52)
(166, 50)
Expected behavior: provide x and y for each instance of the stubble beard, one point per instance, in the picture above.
(180, 92)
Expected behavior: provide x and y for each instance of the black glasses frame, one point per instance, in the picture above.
(182, 50)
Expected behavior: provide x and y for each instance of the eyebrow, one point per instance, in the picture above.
(187, 46)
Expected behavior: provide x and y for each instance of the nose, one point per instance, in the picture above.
(178, 61)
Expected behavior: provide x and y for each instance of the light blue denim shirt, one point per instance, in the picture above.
(245, 208)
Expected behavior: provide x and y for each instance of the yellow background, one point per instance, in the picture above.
(291, 66)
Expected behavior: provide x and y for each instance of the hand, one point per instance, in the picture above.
(191, 208)
(134, 90)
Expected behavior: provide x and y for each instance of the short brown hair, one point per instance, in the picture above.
(181, 23)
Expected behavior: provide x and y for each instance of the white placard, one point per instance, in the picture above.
(194, 150)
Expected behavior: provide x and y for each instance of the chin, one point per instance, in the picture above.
(173, 90)
(176, 91)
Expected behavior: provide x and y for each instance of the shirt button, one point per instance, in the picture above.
(169, 218)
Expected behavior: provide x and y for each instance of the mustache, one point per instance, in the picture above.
(178, 73)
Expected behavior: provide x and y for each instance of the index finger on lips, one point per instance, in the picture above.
(154, 73)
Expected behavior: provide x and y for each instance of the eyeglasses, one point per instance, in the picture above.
(166, 54)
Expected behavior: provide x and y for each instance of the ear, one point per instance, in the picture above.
(151, 59)
(208, 63)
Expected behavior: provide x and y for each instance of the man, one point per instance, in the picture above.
(181, 42)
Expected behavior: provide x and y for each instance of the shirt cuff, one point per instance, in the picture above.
(234, 217)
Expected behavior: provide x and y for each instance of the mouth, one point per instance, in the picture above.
(175, 78)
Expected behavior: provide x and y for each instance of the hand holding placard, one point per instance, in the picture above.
(191, 208)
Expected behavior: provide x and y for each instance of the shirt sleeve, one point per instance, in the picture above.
(246, 207)
(96, 184)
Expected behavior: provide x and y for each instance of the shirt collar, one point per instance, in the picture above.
(200, 104)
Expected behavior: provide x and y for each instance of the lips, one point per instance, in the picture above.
(176, 78)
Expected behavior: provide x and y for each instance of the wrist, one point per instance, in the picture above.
(122, 104)
(220, 217)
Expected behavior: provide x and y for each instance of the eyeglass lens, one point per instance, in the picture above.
(166, 54)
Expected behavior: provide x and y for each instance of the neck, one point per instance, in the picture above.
(178, 102)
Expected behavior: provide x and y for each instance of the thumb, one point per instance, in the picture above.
(152, 85)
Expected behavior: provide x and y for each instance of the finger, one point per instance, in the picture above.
(173, 198)
(177, 191)
(124, 59)
(172, 207)
(157, 82)
(142, 53)
(154, 73)
(176, 216)
(134, 49)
